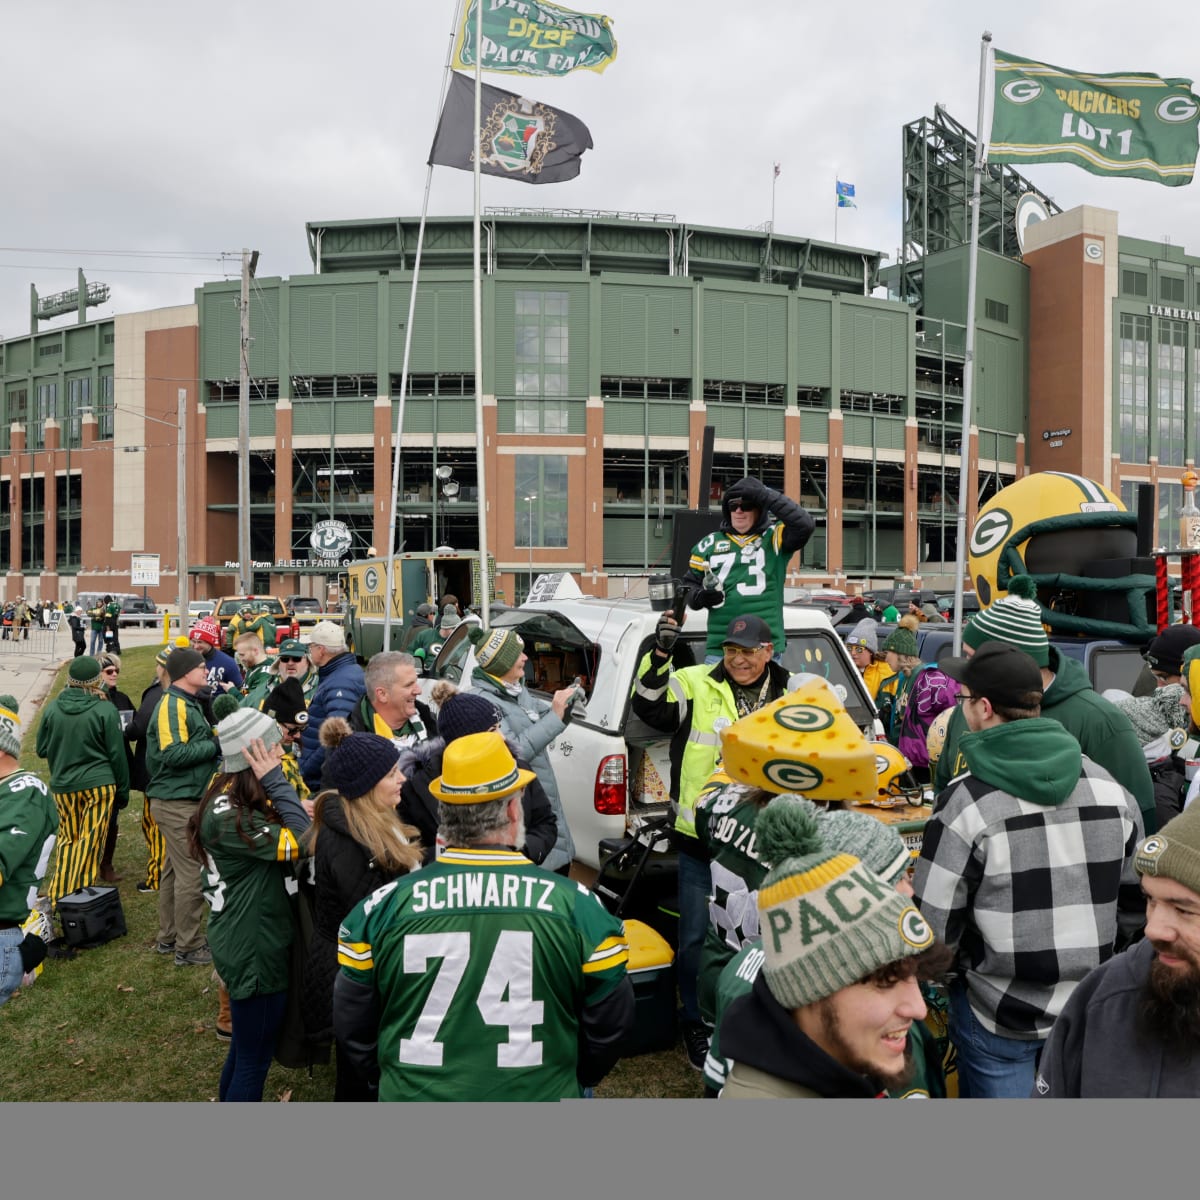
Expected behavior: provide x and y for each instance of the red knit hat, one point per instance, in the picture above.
(206, 630)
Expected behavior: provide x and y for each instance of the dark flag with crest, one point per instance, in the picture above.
(518, 138)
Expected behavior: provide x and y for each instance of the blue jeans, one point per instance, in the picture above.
(97, 642)
(695, 884)
(989, 1066)
(11, 970)
(256, 1022)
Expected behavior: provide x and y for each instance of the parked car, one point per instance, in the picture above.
(227, 608)
(613, 771)
(199, 608)
(1108, 662)
(138, 610)
(305, 610)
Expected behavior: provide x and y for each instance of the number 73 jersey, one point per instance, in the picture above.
(482, 964)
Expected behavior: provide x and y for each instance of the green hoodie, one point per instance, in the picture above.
(80, 737)
(1035, 759)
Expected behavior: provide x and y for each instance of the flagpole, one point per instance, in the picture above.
(964, 447)
(485, 608)
(836, 206)
(393, 512)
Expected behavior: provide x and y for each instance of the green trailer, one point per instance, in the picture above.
(418, 579)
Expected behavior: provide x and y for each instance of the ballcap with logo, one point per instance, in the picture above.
(748, 632)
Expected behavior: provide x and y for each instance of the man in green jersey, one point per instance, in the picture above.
(748, 556)
(481, 976)
(28, 825)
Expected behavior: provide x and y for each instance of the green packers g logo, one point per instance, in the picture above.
(1021, 91)
(803, 718)
(914, 929)
(990, 530)
(371, 579)
(791, 776)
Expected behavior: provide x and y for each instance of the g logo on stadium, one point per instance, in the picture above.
(792, 776)
(803, 718)
(914, 929)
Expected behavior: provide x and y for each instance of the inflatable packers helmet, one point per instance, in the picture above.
(897, 784)
(1050, 526)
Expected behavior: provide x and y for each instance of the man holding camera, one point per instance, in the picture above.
(740, 567)
(694, 704)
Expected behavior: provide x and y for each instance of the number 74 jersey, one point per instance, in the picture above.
(481, 965)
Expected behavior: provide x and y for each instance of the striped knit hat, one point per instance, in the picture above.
(879, 846)
(827, 920)
(236, 731)
(1016, 619)
(497, 650)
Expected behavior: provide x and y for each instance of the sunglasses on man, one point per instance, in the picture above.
(741, 506)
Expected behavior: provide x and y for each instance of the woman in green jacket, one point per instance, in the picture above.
(245, 832)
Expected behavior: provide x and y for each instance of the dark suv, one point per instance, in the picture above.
(304, 609)
(137, 610)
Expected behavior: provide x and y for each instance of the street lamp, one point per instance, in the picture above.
(444, 478)
(529, 500)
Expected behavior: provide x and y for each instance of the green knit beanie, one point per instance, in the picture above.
(827, 920)
(84, 671)
(496, 650)
(901, 641)
(1016, 619)
(1174, 851)
(10, 727)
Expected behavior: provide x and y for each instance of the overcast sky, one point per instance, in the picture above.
(145, 128)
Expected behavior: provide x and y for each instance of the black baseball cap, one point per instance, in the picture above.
(1002, 672)
(748, 632)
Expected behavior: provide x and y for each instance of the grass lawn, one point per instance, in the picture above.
(122, 1023)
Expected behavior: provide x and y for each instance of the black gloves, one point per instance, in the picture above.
(665, 634)
(751, 491)
(33, 952)
(708, 598)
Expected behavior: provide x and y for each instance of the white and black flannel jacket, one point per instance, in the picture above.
(1026, 893)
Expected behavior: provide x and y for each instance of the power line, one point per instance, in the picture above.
(187, 254)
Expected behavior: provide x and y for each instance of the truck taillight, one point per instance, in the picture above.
(609, 796)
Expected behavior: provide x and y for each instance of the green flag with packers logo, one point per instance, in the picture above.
(1127, 124)
(523, 37)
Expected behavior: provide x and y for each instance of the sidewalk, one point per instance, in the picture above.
(27, 668)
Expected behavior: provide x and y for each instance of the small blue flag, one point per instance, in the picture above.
(845, 195)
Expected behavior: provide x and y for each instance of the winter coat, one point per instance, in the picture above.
(341, 687)
(137, 732)
(418, 806)
(1098, 1049)
(80, 737)
(344, 875)
(530, 725)
(123, 704)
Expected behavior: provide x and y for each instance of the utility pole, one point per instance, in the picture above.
(181, 508)
(249, 262)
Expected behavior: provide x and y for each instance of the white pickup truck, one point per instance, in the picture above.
(613, 771)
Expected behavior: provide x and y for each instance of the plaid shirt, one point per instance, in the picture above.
(1026, 893)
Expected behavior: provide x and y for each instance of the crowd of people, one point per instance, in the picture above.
(386, 881)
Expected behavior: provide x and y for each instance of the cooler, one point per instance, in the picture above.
(92, 916)
(651, 969)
